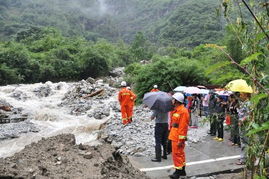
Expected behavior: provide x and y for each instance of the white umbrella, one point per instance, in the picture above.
(192, 90)
(223, 93)
(180, 88)
(204, 91)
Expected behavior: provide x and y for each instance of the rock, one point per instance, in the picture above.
(101, 112)
(13, 165)
(88, 155)
(97, 116)
(19, 95)
(117, 72)
(90, 80)
(58, 163)
(139, 155)
(59, 158)
(13, 130)
(100, 82)
(43, 90)
(82, 147)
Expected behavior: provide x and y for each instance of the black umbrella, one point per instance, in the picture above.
(160, 101)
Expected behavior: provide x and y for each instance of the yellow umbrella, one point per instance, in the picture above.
(239, 86)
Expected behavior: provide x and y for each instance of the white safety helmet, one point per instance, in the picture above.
(123, 83)
(179, 97)
(155, 86)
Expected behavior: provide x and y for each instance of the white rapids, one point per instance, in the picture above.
(49, 117)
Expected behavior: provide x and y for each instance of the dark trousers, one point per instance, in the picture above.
(235, 129)
(213, 124)
(220, 119)
(169, 144)
(161, 133)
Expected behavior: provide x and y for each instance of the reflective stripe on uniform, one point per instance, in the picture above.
(176, 115)
(182, 137)
(179, 168)
(125, 94)
(124, 119)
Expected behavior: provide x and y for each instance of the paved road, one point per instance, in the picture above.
(203, 158)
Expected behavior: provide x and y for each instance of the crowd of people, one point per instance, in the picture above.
(231, 109)
(171, 127)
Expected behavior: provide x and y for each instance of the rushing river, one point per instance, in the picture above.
(48, 115)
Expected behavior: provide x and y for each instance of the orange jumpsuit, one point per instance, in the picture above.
(133, 98)
(154, 90)
(178, 133)
(125, 98)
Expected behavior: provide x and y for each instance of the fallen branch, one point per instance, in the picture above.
(94, 93)
(5, 108)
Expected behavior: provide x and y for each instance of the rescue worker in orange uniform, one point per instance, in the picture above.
(155, 89)
(178, 134)
(125, 98)
(133, 98)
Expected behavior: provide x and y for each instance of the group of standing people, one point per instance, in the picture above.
(172, 126)
(234, 110)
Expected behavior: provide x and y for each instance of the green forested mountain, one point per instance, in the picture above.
(165, 22)
(56, 40)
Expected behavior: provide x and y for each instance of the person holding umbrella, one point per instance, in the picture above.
(243, 114)
(160, 103)
(178, 134)
(244, 111)
(160, 134)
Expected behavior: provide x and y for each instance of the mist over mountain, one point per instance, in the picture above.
(177, 22)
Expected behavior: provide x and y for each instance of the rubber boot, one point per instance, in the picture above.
(183, 171)
(176, 174)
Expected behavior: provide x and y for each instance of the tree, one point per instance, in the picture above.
(168, 73)
(140, 48)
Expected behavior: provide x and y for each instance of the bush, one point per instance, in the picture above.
(168, 73)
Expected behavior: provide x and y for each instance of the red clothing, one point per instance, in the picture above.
(124, 96)
(178, 155)
(133, 98)
(126, 112)
(154, 90)
(190, 99)
(178, 134)
(126, 99)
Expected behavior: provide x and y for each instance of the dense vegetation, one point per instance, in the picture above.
(32, 51)
(44, 54)
(173, 67)
(177, 22)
